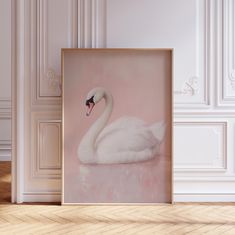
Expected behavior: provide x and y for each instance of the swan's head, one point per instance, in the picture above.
(93, 97)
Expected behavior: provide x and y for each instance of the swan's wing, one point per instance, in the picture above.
(127, 140)
(120, 124)
(125, 122)
(158, 129)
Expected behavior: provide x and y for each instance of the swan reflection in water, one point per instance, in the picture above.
(145, 182)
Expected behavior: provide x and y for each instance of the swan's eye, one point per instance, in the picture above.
(91, 100)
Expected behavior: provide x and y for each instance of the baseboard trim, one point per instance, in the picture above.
(42, 197)
(204, 197)
(178, 197)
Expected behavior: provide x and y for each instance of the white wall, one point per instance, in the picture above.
(5, 80)
(202, 35)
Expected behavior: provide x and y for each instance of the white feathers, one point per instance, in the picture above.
(126, 140)
(158, 129)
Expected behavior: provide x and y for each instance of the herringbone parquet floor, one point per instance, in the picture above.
(182, 218)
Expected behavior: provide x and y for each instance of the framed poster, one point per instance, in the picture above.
(117, 126)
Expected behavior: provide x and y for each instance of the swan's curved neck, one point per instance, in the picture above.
(88, 141)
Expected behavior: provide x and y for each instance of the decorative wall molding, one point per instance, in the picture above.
(189, 88)
(91, 23)
(232, 79)
(216, 132)
(229, 47)
(54, 81)
(229, 113)
(46, 27)
(85, 32)
(46, 145)
(206, 179)
(197, 86)
(5, 150)
(49, 145)
(226, 74)
(5, 154)
(5, 102)
(5, 108)
(209, 190)
(204, 197)
(5, 130)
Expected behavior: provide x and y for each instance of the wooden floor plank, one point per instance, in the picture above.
(5, 181)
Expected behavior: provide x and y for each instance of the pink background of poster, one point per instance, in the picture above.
(140, 82)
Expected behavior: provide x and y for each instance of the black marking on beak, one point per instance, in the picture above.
(90, 105)
(91, 100)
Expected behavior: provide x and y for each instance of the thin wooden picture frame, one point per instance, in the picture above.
(74, 52)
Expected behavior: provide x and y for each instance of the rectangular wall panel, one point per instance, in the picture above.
(42, 168)
(49, 145)
(56, 29)
(45, 160)
(200, 145)
(226, 83)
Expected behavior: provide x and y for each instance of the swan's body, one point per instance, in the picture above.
(126, 140)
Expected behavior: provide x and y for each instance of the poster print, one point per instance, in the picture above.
(117, 125)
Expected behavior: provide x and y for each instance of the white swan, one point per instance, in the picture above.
(126, 140)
